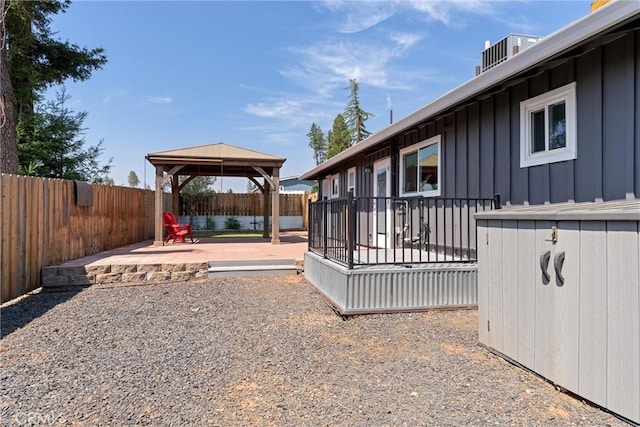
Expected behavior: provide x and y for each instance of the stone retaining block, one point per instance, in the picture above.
(124, 268)
(103, 279)
(172, 267)
(139, 276)
(196, 266)
(149, 268)
(158, 276)
(98, 269)
(181, 275)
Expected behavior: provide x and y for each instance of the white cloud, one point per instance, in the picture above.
(329, 65)
(158, 100)
(360, 16)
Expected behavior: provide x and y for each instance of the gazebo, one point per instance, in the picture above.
(222, 160)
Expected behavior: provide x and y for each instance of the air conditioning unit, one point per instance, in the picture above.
(504, 49)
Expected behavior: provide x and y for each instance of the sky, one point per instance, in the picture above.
(258, 74)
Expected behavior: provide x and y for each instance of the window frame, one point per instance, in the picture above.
(334, 186)
(566, 94)
(415, 148)
(351, 172)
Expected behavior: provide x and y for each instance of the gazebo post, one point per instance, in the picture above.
(275, 207)
(265, 209)
(158, 240)
(175, 195)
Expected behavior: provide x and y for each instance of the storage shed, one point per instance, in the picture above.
(559, 293)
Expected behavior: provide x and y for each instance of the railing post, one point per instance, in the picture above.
(325, 227)
(351, 227)
(496, 201)
(309, 225)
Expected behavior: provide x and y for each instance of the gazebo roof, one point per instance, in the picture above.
(217, 159)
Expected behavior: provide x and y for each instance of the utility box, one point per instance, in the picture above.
(559, 293)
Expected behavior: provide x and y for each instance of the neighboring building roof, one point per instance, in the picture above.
(593, 24)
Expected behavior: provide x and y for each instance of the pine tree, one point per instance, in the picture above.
(133, 179)
(338, 137)
(51, 144)
(318, 144)
(354, 115)
(34, 62)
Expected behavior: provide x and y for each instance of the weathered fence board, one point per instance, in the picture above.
(41, 225)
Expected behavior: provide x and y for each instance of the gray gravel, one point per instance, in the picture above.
(257, 351)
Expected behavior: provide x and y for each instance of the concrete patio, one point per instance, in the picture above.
(144, 262)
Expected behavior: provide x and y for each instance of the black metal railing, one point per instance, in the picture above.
(396, 230)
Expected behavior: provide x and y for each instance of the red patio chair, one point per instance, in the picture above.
(175, 230)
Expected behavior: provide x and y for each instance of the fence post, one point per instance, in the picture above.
(496, 201)
(351, 227)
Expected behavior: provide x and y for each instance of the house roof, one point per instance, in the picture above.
(593, 24)
(217, 159)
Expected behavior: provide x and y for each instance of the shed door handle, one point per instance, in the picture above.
(544, 265)
(558, 263)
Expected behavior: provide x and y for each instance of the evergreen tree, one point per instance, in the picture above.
(133, 179)
(51, 144)
(34, 62)
(8, 144)
(196, 190)
(354, 115)
(338, 137)
(318, 144)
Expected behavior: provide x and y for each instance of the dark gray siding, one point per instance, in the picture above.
(481, 140)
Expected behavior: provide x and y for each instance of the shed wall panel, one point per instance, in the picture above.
(623, 357)
(509, 280)
(527, 272)
(567, 299)
(592, 362)
(485, 258)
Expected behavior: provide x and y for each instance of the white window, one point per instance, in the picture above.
(351, 180)
(420, 167)
(548, 127)
(335, 186)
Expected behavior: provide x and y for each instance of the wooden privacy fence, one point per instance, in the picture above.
(232, 204)
(41, 224)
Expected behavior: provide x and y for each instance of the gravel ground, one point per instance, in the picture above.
(263, 351)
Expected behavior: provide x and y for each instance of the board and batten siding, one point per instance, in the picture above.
(481, 140)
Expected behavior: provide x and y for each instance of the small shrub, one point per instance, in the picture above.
(211, 223)
(232, 223)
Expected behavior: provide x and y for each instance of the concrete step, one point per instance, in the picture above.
(269, 267)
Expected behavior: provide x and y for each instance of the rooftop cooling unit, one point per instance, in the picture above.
(505, 49)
